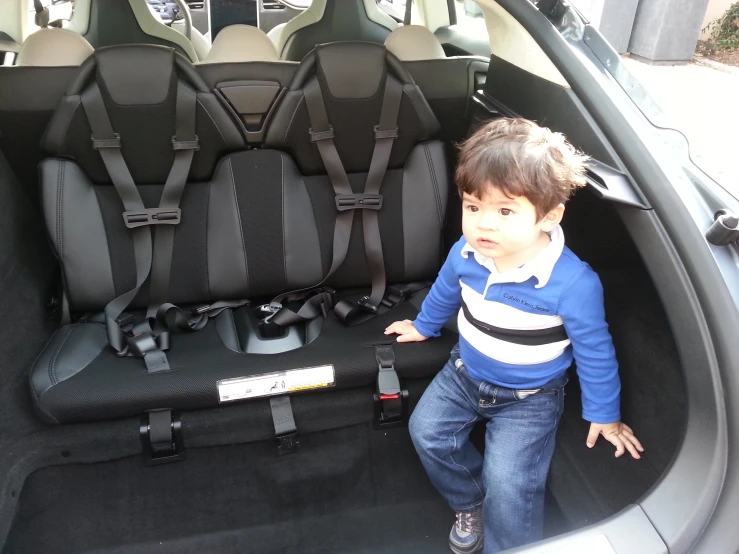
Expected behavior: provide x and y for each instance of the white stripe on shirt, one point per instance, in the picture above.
(508, 352)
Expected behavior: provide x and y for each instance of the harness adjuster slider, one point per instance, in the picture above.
(186, 144)
(152, 216)
(385, 133)
(114, 142)
(315, 136)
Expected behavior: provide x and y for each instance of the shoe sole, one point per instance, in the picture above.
(469, 549)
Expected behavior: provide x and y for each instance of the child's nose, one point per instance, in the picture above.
(488, 222)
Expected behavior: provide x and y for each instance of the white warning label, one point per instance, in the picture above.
(269, 384)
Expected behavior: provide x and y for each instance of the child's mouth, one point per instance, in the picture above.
(486, 243)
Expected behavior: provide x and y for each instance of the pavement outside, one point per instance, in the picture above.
(703, 103)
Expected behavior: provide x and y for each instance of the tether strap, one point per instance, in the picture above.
(108, 143)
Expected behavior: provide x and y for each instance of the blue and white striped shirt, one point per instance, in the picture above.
(522, 328)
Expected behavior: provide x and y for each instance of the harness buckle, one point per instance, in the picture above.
(391, 402)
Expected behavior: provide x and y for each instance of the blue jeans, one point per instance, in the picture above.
(508, 483)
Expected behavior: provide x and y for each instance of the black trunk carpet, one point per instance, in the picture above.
(351, 489)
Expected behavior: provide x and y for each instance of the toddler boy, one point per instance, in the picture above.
(527, 305)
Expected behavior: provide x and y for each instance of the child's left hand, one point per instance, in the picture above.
(617, 433)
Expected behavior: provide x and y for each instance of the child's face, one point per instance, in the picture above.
(506, 229)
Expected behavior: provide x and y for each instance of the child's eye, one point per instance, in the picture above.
(505, 211)
(472, 208)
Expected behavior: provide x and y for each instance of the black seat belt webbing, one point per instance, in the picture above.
(184, 143)
(322, 134)
(346, 201)
(284, 421)
(160, 431)
(108, 144)
(385, 134)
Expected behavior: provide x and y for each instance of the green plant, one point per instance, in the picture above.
(725, 29)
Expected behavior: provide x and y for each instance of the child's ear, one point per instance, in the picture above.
(552, 219)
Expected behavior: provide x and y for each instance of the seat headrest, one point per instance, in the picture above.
(352, 78)
(140, 87)
(136, 74)
(242, 43)
(53, 48)
(351, 69)
(413, 42)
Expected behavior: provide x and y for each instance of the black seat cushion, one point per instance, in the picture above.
(79, 378)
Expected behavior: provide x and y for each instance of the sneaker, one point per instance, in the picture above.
(467, 534)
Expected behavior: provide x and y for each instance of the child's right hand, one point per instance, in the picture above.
(406, 331)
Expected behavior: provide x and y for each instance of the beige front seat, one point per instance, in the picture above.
(53, 47)
(152, 25)
(282, 33)
(412, 43)
(242, 43)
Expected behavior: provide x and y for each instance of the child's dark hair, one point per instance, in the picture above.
(520, 158)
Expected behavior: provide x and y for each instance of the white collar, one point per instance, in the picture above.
(541, 266)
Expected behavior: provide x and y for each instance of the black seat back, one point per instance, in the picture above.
(138, 84)
(351, 77)
(28, 98)
(139, 88)
(448, 84)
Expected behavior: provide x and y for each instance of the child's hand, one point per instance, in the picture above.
(617, 433)
(406, 331)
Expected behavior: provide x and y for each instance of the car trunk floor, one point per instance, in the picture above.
(350, 489)
(345, 489)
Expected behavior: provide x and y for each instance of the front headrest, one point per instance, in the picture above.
(54, 48)
(242, 43)
(413, 42)
(351, 69)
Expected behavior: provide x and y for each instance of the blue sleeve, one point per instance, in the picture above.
(444, 298)
(581, 309)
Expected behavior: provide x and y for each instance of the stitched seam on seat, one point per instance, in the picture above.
(69, 121)
(55, 355)
(238, 216)
(418, 113)
(214, 122)
(60, 212)
(434, 181)
(207, 273)
(284, 234)
(284, 139)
